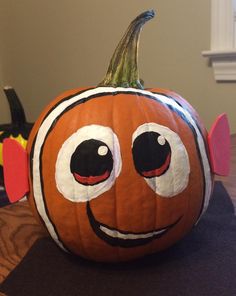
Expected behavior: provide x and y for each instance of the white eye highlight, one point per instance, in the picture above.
(88, 163)
(102, 150)
(161, 140)
(161, 158)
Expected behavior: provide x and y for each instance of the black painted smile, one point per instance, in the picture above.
(125, 239)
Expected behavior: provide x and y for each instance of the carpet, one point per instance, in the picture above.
(202, 264)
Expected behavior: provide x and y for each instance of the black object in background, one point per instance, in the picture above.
(3, 197)
(18, 126)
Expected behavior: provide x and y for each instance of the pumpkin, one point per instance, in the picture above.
(118, 171)
(18, 129)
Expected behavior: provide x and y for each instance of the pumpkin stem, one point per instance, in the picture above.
(123, 68)
(17, 112)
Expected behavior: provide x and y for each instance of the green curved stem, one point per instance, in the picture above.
(123, 68)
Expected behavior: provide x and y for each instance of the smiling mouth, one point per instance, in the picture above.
(125, 239)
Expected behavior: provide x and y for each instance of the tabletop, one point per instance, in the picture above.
(18, 231)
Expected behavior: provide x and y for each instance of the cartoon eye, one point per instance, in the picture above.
(88, 163)
(92, 162)
(161, 158)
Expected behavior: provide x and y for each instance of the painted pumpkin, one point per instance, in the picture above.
(18, 129)
(118, 171)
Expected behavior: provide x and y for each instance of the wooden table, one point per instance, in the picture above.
(19, 229)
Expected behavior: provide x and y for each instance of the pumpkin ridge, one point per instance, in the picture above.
(85, 253)
(119, 255)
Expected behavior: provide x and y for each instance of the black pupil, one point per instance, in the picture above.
(91, 158)
(150, 152)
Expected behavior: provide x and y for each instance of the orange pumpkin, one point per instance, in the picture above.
(118, 171)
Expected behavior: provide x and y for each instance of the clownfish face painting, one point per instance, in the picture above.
(122, 181)
(117, 171)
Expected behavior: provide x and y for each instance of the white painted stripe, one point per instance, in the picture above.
(48, 122)
(118, 234)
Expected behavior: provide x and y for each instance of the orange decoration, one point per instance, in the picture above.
(119, 171)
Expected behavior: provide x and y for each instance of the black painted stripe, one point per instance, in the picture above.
(198, 149)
